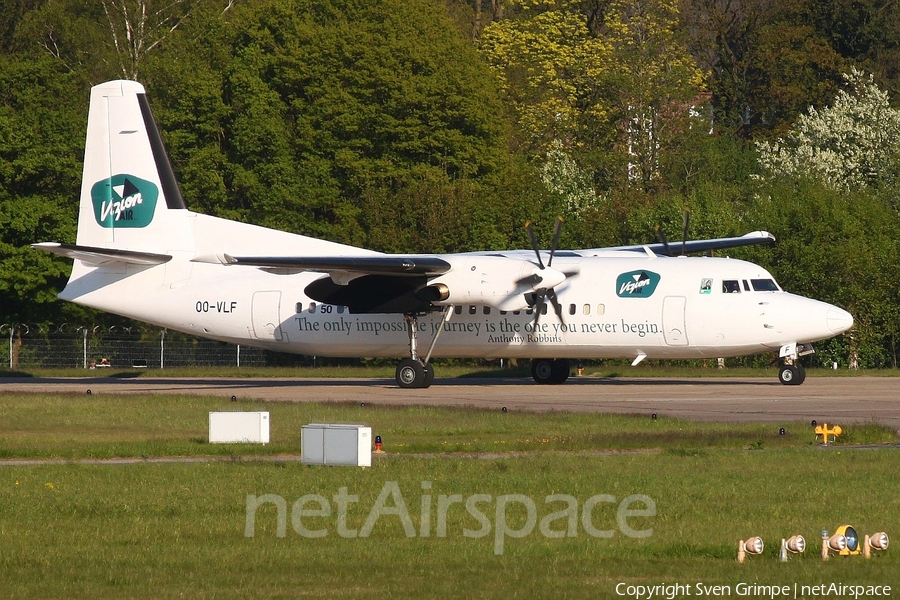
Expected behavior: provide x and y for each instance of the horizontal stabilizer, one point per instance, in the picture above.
(369, 265)
(102, 256)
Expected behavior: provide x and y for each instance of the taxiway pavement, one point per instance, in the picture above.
(826, 399)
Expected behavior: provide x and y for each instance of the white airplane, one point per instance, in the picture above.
(142, 254)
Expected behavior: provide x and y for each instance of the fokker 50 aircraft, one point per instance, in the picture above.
(142, 254)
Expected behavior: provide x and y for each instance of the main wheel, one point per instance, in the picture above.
(411, 374)
(429, 376)
(791, 374)
(542, 370)
(560, 370)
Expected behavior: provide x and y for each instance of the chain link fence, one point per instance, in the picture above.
(65, 346)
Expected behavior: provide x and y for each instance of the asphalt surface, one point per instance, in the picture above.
(834, 400)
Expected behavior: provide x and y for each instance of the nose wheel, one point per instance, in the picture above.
(793, 374)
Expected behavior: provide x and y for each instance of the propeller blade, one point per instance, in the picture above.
(556, 305)
(534, 243)
(664, 240)
(538, 307)
(684, 230)
(557, 230)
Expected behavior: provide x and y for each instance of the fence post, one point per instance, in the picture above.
(162, 348)
(239, 356)
(85, 365)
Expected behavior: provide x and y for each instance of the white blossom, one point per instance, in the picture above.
(564, 177)
(851, 144)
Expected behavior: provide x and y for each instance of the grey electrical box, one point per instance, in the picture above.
(336, 444)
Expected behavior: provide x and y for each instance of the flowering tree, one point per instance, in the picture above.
(562, 176)
(849, 145)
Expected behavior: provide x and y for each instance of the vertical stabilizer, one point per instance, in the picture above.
(129, 196)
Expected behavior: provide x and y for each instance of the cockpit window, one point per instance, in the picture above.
(731, 286)
(764, 285)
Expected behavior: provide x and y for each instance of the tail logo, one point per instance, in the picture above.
(124, 201)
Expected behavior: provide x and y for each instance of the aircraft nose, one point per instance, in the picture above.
(838, 320)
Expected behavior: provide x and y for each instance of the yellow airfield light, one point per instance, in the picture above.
(877, 541)
(825, 431)
(752, 546)
(795, 544)
(852, 546)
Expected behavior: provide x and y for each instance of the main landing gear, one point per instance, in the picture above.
(415, 372)
(545, 370)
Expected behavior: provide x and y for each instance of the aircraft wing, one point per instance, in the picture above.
(692, 246)
(386, 264)
(102, 256)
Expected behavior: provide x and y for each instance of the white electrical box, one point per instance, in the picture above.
(336, 444)
(239, 427)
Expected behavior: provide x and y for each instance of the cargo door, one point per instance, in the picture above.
(266, 316)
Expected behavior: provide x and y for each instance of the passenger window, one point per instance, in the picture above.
(503, 312)
(746, 286)
(586, 309)
(529, 310)
(571, 309)
(473, 309)
(601, 309)
(544, 308)
(731, 286)
(298, 308)
(458, 309)
(341, 309)
(764, 285)
(487, 310)
(312, 307)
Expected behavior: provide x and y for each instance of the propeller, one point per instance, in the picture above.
(547, 274)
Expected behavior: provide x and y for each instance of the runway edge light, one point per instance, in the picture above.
(835, 543)
(876, 541)
(753, 546)
(795, 544)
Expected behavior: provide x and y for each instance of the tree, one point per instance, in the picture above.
(851, 144)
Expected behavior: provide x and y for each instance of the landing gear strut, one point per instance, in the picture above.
(545, 370)
(414, 372)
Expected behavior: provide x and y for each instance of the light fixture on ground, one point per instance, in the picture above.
(849, 532)
(793, 545)
(835, 543)
(876, 541)
(753, 546)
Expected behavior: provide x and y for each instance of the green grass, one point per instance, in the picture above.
(178, 529)
(106, 426)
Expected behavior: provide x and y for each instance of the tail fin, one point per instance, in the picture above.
(129, 196)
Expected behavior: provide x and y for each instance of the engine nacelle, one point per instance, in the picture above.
(494, 281)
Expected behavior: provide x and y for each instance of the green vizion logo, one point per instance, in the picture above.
(636, 284)
(124, 201)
